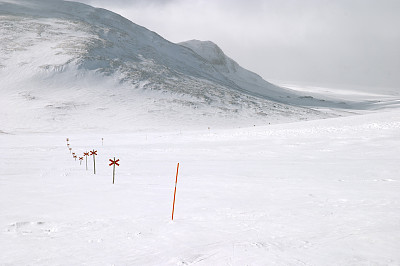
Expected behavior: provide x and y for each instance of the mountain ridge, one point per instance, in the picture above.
(52, 46)
(160, 51)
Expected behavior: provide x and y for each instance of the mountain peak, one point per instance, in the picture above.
(209, 51)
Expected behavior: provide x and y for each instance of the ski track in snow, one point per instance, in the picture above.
(322, 192)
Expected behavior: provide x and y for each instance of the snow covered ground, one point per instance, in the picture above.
(323, 192)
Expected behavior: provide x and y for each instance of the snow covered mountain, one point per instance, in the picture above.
(247, 81)
(61, 61)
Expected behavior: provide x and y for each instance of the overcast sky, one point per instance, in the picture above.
(321, 42)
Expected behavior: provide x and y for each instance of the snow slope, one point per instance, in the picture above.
(251, 82)
(63, 61)
(113, 43)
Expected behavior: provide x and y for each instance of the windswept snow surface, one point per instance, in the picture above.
(321, 192)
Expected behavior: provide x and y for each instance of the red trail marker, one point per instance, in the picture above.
(80, 160)
(86, 154)
(176, 181)
(114, 162)
(94, 160)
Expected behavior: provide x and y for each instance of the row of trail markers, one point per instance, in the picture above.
(115, 162)
(85, 154)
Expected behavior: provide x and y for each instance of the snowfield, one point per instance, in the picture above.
(323, 192)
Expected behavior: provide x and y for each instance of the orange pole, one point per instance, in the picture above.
(176, 181)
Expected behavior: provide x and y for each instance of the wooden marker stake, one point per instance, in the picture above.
(94, 153)
(114, 162)
(176, 181)
(86, 154)
(80, 160)
(70, 150)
